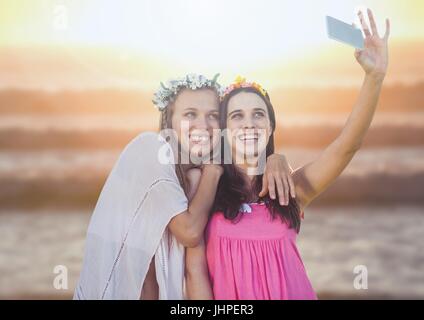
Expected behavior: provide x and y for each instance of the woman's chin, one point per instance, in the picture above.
(248, 157)
(199, 155)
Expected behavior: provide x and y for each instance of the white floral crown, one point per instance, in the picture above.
(166, 93)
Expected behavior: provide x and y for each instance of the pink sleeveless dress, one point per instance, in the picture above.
(255, 258)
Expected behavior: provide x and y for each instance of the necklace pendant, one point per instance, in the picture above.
(245, 208)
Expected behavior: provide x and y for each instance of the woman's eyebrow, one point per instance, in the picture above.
(259, 109)
(238, 110)
(190, 109)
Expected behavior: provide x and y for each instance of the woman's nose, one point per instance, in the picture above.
(200, 123)
(248, 123)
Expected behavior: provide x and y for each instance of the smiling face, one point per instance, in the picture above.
(195, 119)
(249, 126)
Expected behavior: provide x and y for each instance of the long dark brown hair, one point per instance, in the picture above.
(234, 189)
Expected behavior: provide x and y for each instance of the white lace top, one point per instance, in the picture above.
(129, 226)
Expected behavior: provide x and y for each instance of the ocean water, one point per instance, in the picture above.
(57, 163)
(150, 120)
(387, 240)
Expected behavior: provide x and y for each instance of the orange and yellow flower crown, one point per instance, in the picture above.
(240, 82)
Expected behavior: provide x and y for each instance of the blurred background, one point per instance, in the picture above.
(76, 81)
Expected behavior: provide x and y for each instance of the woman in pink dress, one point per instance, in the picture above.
(250, 249)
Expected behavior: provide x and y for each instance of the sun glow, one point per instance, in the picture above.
(230, 37)
(219, 33)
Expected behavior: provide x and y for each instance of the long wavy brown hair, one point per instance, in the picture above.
(234, 189)
(165, 122)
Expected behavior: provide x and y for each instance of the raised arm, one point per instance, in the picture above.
(315, 177)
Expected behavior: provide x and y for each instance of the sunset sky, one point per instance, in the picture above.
(138, 43)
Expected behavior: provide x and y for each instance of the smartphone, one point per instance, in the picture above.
(344, 32)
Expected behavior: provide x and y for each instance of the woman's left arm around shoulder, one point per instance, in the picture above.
(277, 179)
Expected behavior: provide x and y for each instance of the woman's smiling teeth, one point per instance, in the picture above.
(199, 138)
(248, 137)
